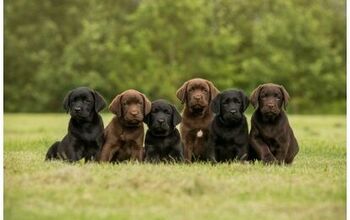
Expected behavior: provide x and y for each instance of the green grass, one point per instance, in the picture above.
(314, 187)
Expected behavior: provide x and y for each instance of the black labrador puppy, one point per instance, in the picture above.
(163, 143)
(85, 130)
(228, 133)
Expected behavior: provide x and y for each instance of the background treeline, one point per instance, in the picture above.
(53, 46)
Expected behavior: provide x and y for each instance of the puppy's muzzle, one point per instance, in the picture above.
(161, 121)
(233, 111)
(270, 110)
(271, 106)
(197, 97)
(160, 124)
(77, 109)
(134, 113)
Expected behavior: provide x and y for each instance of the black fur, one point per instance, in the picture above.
(229, 129)
(162, 141)
(85, 129)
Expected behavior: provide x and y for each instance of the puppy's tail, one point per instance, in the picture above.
(52, 152)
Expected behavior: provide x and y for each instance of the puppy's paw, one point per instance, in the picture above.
(243, 157)
(213, 161)
(269, 159)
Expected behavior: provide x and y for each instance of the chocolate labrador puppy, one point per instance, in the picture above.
(271, 137)
(85, 129)
(124, 134)
(229, 129)
(163, 141)
(196, 95)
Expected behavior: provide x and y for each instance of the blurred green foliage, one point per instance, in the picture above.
(155, 45)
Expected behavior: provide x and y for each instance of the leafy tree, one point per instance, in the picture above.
(154, 46)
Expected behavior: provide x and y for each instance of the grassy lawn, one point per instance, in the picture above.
(314, 187)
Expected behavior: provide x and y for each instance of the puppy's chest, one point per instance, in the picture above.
(198, 133)
(229, 133)
(270, 132)
(196, 124)
(89, 134)
(163, 143)
(231, 136)
(273, 137)
(130, 137)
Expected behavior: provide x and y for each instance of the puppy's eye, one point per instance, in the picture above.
(263, 96)
(236, 101)
(277, 97)
(166, 112)
(205, 90)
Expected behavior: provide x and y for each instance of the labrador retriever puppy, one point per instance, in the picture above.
(196, 95)
(85, 129)
(229, 129)
(163, 141)
(124, 134)
(271, 138)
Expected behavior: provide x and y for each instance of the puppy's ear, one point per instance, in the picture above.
(254, 97)
(181, 93)
(245, 101)
(100, 102)
(66, 102)
(213, 90)
(286, 96)
(215, 104)
(146, 104)
(176, 116)
(116, 107)
(147, 119)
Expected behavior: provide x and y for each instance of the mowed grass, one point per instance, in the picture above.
(314, 187)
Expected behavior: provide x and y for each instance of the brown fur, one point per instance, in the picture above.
(124, 134)
(271, 137)
(196, 94)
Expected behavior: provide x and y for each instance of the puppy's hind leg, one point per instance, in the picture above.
(52, 152)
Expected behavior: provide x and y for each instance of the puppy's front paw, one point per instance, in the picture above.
(269, 159)
(212, 160)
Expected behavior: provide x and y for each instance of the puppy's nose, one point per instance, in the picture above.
(161, 120)
(270, 105)
(197, 97)
(134, 113)
(233, 111)
(77, 109)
